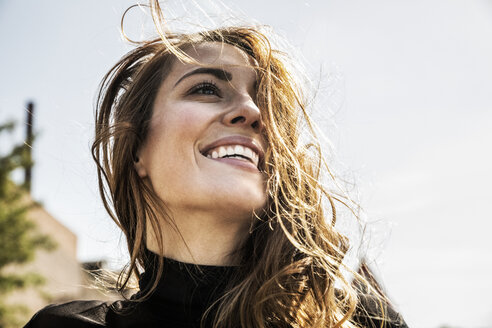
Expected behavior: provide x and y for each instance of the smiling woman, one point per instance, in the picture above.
(200, 164)
(202, 152)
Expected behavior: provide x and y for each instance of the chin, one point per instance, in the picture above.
(245, 195)
(237, 204)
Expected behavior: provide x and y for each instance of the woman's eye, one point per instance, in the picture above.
(207, 88)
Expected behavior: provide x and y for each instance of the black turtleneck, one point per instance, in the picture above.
(182, 295)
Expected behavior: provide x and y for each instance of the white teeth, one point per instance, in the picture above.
(255, 159)
(239, 150)
(232, 150)
(248, 153)
(222, 152)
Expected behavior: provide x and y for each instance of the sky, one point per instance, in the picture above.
(406, 90)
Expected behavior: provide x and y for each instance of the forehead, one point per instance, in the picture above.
(216, 54)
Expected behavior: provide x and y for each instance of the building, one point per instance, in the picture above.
(65, 277)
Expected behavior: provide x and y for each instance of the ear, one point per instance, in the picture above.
(139, 167)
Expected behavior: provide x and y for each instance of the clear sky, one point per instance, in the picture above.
(409, 88)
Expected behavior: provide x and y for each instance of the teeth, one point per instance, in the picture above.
(232, 150)
(239, 150)
(248, 152)
(255, 159)
(222, 152)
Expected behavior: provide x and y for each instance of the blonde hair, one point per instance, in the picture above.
(293, 257)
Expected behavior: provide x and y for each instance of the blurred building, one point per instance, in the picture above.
(65, 277)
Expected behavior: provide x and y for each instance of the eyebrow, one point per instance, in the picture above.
(217, 72)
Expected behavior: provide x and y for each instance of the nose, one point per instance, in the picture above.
(244, 112)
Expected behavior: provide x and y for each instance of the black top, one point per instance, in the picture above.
(184, 292)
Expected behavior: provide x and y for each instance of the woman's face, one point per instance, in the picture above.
(205, 138)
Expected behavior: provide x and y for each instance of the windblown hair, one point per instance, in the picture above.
(292, 259)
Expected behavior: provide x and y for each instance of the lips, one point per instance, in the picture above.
(234, 147)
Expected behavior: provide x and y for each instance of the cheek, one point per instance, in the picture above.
(170, 149)
(166, 147)
(185, 121)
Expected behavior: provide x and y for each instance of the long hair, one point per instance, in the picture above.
(291, 265)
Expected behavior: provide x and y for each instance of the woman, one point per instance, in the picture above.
(200, 164)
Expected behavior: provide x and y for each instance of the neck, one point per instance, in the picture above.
(199, 238)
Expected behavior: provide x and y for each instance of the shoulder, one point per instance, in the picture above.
(375, 312)
(75, 314)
